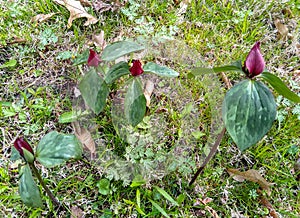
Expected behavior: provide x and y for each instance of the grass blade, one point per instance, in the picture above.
(166, 195)
(159, 208)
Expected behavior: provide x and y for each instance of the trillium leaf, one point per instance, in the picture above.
(235, 66)
(56, 148)
(249, 110)
(280, 87)
(135, 102)
(159, 70)
(119, 49)
(118, 70)
(94, 91)
(29, 192)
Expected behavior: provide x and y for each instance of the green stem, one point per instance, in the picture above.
(49, 193)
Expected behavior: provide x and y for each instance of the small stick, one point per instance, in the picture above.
(210, 155)
(218, 141)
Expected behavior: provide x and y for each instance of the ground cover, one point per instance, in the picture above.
(41, 86)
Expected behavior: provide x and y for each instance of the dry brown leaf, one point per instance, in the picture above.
(251, 175)
(17, 40)
(102, 6)
(76, 212)
(288, 12)
(212, 212)
(99, 40)
(42, 17)
(76, 11)
(265, 202)
(282, 29)
(85, 137)
(205, 201)
(149, 87)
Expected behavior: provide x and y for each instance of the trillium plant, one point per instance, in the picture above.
(249, 108)
(54, 149)
(105, 70)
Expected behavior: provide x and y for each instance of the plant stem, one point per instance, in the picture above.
(49, 193)
(209, 156)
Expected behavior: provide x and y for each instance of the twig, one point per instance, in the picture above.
(218, 141)
(210, 155)
(226, 80)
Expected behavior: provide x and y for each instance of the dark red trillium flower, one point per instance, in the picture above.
(254, 64)
(21, 144)
(93, 59)
(136, 68)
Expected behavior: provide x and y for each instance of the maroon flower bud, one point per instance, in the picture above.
(21, 145)
(93, 59)
(254, 64)
(136, 68)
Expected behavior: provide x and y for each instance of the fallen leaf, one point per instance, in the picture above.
(76, 212)
(76, 11)
(251, 175)
(212, 212)
(288, 12)
(265, 202)
(149, 87)
(205, 201)
(281, 28)
(102, 6)
(17, 40)
(42, 17)
(85, 137)
(99, 40)
(77, 92)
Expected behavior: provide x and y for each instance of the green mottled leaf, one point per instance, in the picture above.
(29, 192)
(118, 70)
(166, 195)
(235, 66)
(135, 102)
(159, 70)
(119, 49)
(94, 91)
(249, 110)
(280, 87)
(56, 148)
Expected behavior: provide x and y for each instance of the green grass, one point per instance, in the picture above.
(36, 91)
